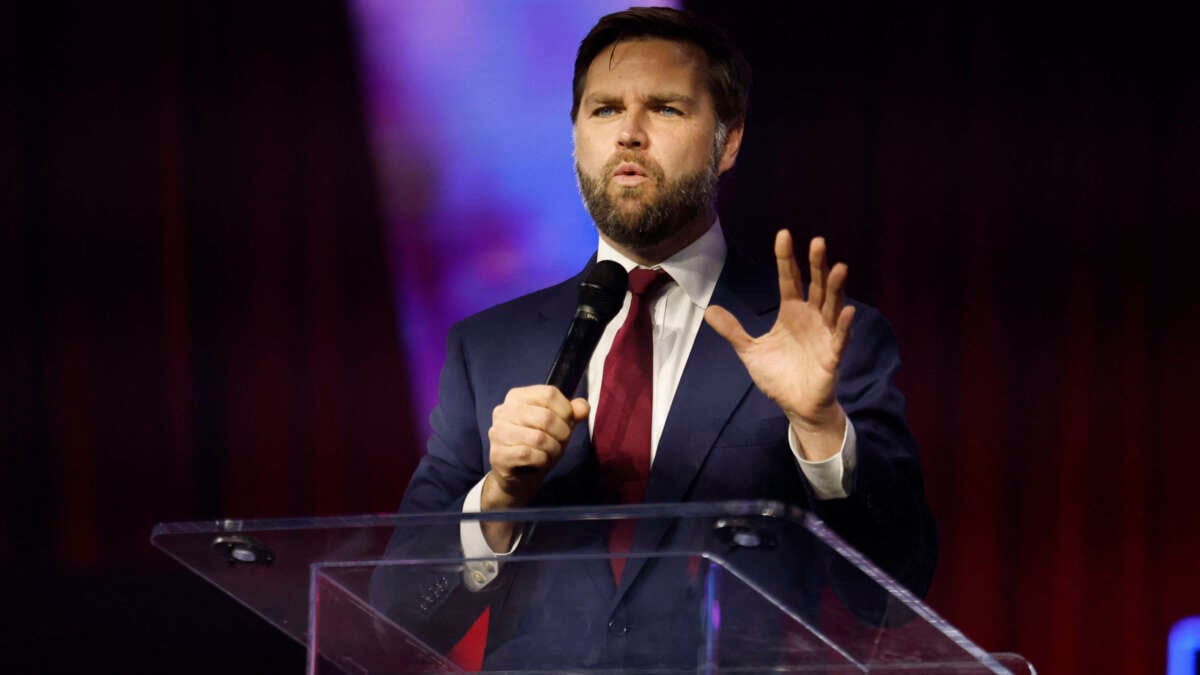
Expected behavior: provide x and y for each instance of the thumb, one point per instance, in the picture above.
(727, 326)
(579, 410)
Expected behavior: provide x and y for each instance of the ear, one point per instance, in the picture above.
(733, 143)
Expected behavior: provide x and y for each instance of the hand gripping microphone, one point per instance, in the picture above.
(600, 298)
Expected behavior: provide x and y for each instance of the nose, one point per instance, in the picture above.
(633, 133)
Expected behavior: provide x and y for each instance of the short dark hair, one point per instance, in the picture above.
(728, 71)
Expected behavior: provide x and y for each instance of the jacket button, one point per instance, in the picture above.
(618, 627)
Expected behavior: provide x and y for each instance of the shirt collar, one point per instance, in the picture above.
(695, 267)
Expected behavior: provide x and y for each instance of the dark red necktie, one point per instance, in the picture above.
(621, 434)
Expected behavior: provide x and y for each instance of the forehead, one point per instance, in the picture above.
(648, 64)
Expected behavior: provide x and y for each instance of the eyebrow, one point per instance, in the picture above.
(601, 98)
(669, 97)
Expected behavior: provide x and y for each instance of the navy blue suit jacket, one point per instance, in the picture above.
(722, 440)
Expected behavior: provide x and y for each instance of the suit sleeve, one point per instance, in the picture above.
(885, 515)
(430, 601)
(453, 461)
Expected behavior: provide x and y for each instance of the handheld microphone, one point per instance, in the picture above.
(600, 298)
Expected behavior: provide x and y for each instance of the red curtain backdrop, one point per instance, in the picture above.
(1016, 190)
(198, 320)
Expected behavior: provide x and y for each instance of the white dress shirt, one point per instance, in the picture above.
(677, 310)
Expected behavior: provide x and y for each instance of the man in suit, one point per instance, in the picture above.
(803, 413)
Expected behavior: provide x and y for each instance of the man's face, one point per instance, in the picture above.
(647, 148)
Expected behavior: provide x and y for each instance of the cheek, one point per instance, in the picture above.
(687, 152)
(684, 163)
(588, 156)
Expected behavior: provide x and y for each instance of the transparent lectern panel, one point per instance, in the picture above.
(730, 588)
(266, 564)
(728, 626)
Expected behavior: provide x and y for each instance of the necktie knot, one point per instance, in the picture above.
(645, 282)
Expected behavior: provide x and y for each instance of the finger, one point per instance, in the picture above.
(817, 270)
(514, 435)
(841, 332)
(727, 326)
(543, 395)
(531, 416)
(516, 459)
(835, 294)
(580, 409)
(509, 452)
(547, 420)
(790, 283)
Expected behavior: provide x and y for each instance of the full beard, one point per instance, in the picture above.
(630, 217)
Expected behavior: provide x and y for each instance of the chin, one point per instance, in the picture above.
(638, 193)
(639, 240)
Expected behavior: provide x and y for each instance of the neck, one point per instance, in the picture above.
(649, 256)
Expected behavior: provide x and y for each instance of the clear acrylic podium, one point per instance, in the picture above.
(735, 587)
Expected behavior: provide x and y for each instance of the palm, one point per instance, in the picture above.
(795, 363)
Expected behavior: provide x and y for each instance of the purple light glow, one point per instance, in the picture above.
(1183, 645)
(468, 108)
(714, 603)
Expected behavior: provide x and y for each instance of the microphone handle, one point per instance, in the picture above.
(572, 360)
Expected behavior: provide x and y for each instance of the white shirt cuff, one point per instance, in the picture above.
(830, 478)
(479, 573)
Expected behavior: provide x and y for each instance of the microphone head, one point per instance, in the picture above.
(603, 292)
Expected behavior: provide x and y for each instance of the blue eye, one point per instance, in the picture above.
(670, 111)
(604, 111)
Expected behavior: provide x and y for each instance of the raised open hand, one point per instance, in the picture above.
(795, 363)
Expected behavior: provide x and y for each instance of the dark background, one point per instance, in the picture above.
(198, 320)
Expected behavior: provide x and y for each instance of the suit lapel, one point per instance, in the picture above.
(713, 384)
